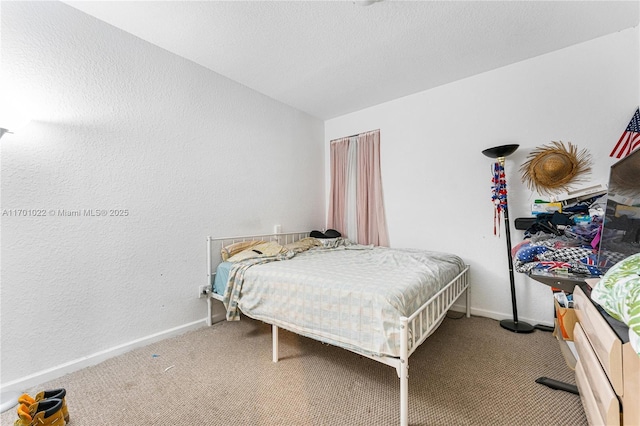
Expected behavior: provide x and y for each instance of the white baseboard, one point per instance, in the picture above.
(499, 316)
(23, 383)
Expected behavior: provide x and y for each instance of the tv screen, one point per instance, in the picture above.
(620, 235)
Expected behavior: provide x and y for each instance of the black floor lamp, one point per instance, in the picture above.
(500, 198)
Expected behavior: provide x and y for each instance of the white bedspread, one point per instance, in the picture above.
(348, 297)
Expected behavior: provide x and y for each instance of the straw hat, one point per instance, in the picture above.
(551, 168)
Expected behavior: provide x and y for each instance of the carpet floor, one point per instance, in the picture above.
(469, 372)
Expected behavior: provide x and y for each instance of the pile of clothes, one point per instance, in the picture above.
(566, 241)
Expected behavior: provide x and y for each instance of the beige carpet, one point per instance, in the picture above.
(469, 372)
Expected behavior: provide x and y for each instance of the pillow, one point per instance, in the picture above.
(231, 249)
(618, 292)
(264, 249)
(302, 245)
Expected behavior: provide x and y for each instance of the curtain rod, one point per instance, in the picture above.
(357, 134)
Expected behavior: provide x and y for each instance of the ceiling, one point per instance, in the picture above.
(329, 58)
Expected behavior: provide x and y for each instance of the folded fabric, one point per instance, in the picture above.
(555, 253)
(302, 245)
(333, 242)
(530, 253)
(567, 254)
(267, 249)
(551, 265)
(618, 292)
(235, 248)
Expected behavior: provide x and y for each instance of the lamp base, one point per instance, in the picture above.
(517, 327)
(555, 384)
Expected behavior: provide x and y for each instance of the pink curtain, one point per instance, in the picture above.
(372, 224)
(339, 152)
(368, 209)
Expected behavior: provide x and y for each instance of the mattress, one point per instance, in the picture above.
(351, 297)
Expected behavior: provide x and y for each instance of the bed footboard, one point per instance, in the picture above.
(416, 328)
(428, 317)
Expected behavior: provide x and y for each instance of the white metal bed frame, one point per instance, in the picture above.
(413, 329)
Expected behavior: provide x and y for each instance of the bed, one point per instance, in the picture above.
(378, 302)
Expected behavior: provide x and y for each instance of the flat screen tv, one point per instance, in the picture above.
(620, 235)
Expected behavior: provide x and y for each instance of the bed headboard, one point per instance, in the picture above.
(215, 245)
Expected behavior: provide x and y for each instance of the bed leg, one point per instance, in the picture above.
(403, 371)
(210, 281)
(404, 394)
(274, 336)
(468, 301)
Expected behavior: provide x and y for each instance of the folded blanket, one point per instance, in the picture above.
(236, 279)
(555, 253)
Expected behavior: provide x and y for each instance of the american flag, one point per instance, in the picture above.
(630, 139)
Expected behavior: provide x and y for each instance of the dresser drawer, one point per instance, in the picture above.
(605, 343)
(590, 403)
(598, 398)
(631, 374)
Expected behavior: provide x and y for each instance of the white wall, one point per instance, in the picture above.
(437, 183)
(122, 124)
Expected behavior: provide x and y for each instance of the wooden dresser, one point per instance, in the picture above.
(607, 369)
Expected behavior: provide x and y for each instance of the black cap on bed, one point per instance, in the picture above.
(329, 233)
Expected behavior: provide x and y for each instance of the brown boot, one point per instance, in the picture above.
(61, 393)
(43, 413)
